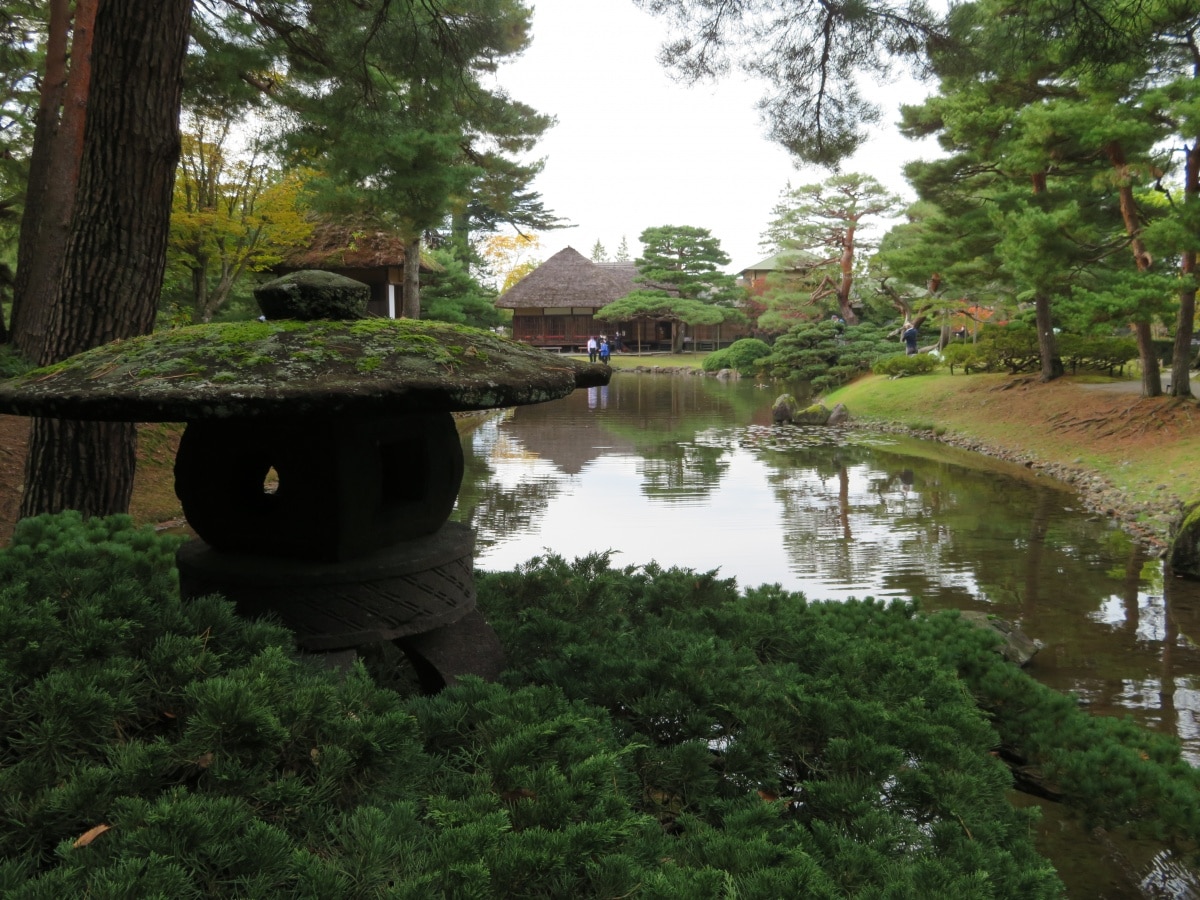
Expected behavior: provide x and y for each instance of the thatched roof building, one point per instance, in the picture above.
(568, 279)
(554, 306)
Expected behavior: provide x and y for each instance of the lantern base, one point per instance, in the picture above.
(418, 593)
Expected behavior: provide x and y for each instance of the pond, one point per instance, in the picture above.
(690, 472)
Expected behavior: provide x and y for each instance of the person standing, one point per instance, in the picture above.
(604, 351)
(591, 345)
(909, 336)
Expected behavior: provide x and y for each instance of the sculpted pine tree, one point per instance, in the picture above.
(680, 267)
(822, 222)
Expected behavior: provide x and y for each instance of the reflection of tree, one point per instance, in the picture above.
(865, 514)
(953, 535)
(539, 431)
(658, 410)
(492, 509)
(657, 418)
(684, 470)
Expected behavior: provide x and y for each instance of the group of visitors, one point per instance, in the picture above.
(600, 349)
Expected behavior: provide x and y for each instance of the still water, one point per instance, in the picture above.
(690, 472)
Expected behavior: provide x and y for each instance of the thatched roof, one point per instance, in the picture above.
(342, 246)
(569, 278)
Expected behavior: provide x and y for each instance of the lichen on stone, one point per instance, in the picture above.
(281, 367)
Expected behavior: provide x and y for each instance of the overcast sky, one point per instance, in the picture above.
(634, 149)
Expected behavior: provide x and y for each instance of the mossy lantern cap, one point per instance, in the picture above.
(293, 367)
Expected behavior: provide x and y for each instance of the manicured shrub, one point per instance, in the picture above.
(1096, 353)
(826, 354)
(966, 356)
(679, 657)
(897, 365)
(741, 355)
(658, 733)
(1014, 348)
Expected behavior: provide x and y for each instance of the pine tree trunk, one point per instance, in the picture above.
(1181, 357)
(86, 466)
(1151, 376)
(1052, 364)
(53, 172)
(410, 302)
(1181, 360)
(847, 278)
(115, 251)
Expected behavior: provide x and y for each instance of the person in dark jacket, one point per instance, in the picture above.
(909, 336)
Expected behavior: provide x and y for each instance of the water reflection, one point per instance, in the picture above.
(690, 472)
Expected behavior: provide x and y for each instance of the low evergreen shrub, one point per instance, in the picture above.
(741, 355)
(967, 356)
(1014, 348)
(658, 734)
(1099, 354)
(897, 365)
(826, 353)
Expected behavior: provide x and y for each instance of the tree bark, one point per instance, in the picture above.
(1151, 373)
(846, 265)
(53, 171)
(1052, 364)
(86, 466)
(1151, 376)
(1181, 359)
(410, 303)
(115, 250)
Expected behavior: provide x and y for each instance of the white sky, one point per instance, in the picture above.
(633, 149)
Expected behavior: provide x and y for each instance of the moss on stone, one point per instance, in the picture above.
(1184, 552)
(282, 367)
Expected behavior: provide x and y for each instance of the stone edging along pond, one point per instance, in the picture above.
(1099, 496)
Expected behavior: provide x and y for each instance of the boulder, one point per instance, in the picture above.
(1183, 556)
(817, 414)
(313, 294)
(839, 415)
(1016, 646)
(784, 409)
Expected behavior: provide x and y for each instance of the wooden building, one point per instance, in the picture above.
(794, 263)
(554, 306)
(372, 256)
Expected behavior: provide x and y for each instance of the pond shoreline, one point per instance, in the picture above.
(1100, 497)
(1149, 523)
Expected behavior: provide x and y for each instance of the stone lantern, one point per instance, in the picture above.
(320, 460)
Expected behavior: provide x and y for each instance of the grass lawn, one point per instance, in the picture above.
(1147, 448)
